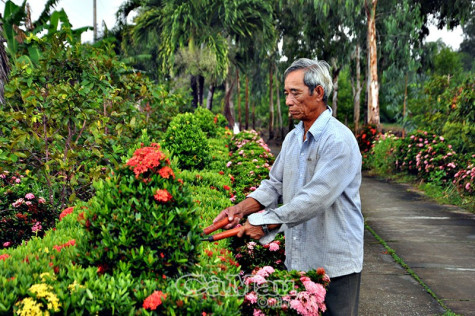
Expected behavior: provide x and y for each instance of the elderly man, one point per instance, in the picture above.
(318, 175)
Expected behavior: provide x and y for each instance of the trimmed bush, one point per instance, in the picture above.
(141, 220)
(186, 141)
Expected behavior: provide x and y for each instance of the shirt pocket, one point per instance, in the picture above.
(312, 162)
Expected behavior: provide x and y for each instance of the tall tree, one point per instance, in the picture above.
(4, 67)
(373, 84)
(356, 87)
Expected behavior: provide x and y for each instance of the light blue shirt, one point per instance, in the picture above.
(318, 180)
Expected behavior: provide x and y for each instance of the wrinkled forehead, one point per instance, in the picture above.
(294, 80)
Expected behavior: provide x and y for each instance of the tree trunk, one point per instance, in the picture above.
(271, 102)
(4, 67)
(404, 109)
(357, 90)
(279, 111)
(228, 102)
(336, 75)
(201, 88)
(209, 101)
(373, 85)
(254, 115)
(194, 91)
(238, 88)
(247, 103)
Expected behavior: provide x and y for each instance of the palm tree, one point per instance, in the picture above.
(210, 28)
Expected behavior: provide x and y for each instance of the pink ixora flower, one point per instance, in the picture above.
(36, 227)
(256, 279)
(251, 297)
(251, 245)
(258, 312)
(273, 246)
(41, 200)
(7, 244)
(29, 196)
(265, 271)
(18, 202)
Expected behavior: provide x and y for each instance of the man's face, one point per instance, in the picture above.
(302, 105)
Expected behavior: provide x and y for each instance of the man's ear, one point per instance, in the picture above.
(319, 92)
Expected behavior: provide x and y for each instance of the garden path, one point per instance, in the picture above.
(437, 242)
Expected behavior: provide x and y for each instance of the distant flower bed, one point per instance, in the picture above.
(428, 156)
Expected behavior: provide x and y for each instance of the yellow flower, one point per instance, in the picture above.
(46, 276)
(43, 290)
(74, 286)
(46, 250)
(30, 307)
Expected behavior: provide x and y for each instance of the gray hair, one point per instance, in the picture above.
(316, 73)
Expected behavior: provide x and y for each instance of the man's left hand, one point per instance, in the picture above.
(255, 232)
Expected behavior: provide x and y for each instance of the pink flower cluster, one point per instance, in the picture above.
(36, 227)
(308, 301)
(464, 179)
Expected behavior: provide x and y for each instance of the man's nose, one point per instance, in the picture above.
(289, 100)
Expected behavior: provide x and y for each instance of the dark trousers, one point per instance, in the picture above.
(343, 295)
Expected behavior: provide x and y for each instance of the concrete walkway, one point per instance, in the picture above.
(436, 241)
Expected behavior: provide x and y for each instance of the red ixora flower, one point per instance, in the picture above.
(162, 195)
(146, 158)
(70, 243)
(166, 172)
(66, 212)
(4, 257)
(226, 187)
(154, 300)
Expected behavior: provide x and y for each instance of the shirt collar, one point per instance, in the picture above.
(318, 126)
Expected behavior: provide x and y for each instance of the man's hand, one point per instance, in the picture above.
(255, 232)
(233, 213)
(236, 212)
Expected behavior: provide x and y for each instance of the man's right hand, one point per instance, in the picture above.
(233, 213)
(236, 212)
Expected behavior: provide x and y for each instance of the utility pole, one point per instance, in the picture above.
(95, 19)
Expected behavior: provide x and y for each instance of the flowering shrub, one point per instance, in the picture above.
(186, 141)
(141, 219)
(427, 156)
(250, 161)
(365, 137)
(251, 254)
(274, 292)
(464, 179)
(22, 213)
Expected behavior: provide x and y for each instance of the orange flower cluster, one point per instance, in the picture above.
(72, 242)
(66, 212)
(154, 300)
(166, 172)
(4, 256)
(162, 195)
(146, 158)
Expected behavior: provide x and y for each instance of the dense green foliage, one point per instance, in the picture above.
(446, 108)
(74, 113)
(185, 140)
